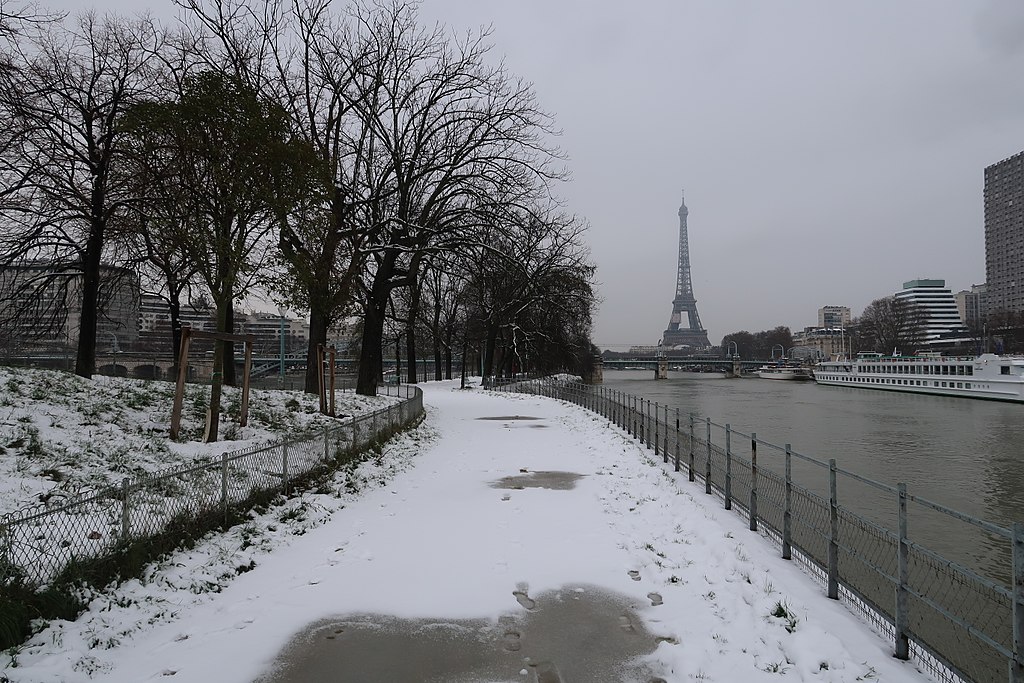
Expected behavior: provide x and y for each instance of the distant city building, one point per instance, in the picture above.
(971, 305)
(820, 342)
(833, 316)
(155, 327)
(41, 307)
(267, 328)
(941, 320)
(1004, 235)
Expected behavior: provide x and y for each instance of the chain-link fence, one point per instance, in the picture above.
(955, 618)
(38, 544)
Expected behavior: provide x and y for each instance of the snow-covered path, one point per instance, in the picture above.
(431, 536)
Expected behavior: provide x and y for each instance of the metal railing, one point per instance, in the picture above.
(954, 620)
(38, 543)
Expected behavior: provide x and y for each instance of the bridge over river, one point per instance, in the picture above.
(730, 366)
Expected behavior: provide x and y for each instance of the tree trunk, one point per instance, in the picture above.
(318, 324)
(229, 347)
(217, 381)
(174, 304)
(435, 331)
(489, 350)
(85, 360)
(370, 354)
(410, 334)
(371, 358)
(448, 354)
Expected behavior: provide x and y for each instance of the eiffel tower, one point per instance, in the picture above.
(692, 334)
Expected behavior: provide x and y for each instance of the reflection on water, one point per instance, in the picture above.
(961, 453)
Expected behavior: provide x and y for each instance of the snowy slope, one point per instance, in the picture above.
(60, 433)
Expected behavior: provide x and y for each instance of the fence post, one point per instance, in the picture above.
(753, 481)
(833, 533)
(355, 435)
(647, 423)
(692, 476)
(677, 440)
(787, 509)
(902, 614)
(633, 416)
(224, 485)
(643, 421)
(728, 466)
(284, 468)
(657, 435)
(327, 443)
(707, 462)
(126, 521)
(664, 449)
(1017, 663)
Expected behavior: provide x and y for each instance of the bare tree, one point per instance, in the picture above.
(63, 92)
(890, 325)
(447, 134)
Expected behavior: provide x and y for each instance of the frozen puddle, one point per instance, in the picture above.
(580, 633)
(559, 481)
(509, 418)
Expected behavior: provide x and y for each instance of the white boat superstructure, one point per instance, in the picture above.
(988, 376)
(784, 371)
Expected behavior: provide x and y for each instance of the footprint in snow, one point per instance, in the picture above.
(655, 599)
(510, 641)
(524, 599)
(634, 574)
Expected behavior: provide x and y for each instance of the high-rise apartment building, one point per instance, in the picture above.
(971, 305)
(1004, 235)
(941, 319)
(834, 317)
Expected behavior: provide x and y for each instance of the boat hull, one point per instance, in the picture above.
(793, 376)
(988, 377)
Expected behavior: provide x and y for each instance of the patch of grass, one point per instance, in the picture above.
(776, 668)
(782, 611)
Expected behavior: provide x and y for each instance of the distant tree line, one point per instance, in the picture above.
(348, 162)
(759, 345)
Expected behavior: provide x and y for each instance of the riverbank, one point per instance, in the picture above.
(499, 512)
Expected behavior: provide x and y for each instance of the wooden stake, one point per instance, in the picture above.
(179, 391)
(243, 419)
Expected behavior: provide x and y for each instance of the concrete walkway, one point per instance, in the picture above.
(505, 578)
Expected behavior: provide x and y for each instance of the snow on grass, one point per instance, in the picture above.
(61, 434)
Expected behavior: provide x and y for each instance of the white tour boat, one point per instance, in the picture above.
(784, 371)
(999, 378)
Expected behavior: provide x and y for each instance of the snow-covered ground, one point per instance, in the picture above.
(61, 434)
(422, 532)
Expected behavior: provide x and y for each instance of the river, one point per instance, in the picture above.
(962, 453)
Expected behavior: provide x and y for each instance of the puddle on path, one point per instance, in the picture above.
(559, 481)
(578, 633)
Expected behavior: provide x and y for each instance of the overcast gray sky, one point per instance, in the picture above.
(829, 150)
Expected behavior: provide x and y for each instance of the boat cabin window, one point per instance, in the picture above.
(970, 369)
(1004, 369)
